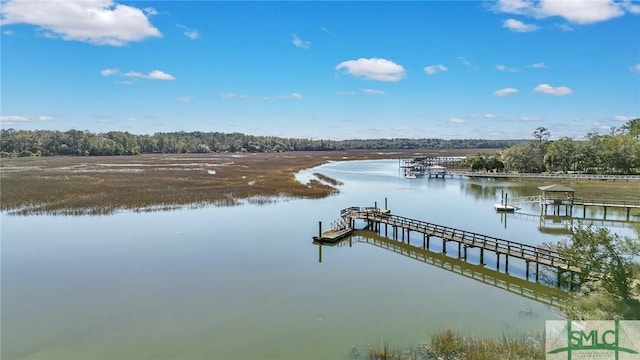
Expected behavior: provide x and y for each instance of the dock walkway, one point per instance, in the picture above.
(375, 217)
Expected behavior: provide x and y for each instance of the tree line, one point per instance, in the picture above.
(84, 143)
(614, 153)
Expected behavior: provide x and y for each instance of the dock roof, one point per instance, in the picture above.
(556, 188)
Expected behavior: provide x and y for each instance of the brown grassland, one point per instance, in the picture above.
(102, 185)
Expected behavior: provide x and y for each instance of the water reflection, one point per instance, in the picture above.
(544, 294)
(481, 189)
(562, 224)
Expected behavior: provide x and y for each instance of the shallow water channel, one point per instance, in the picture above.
(246, 282)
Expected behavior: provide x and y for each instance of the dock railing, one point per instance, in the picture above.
(468, 238)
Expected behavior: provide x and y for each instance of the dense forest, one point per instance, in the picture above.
(614, 153)
(85, 143)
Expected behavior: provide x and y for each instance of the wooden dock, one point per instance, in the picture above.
(402, 227)
(557, 204)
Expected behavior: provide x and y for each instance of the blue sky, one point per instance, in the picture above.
(330, 70)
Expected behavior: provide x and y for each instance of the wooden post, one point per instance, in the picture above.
(537, 270)
(459, 249)
(571, 285)
(444, 246)
(319, 230)
(527, 271)
(482, 256)
(385, 204)
(506, 264)
(497, 261)
(559, 277)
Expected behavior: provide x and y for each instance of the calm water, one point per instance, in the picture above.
(246, 282)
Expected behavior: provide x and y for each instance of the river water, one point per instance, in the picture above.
(246, 282)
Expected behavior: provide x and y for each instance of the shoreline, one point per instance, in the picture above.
(104, 185)
(161, 182)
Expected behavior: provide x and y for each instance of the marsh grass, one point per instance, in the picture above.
(328, 179)
(449, 345)
(152, 182)
(621, 190)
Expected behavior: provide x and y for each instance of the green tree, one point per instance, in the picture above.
(541, 134)
(561, 154)
(632, 127)
(606, 261)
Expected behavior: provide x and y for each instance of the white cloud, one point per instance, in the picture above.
(550, 90)
(300, 43)
(373, 69)
(635, 68)
(504, 68)
(623, 118)
(518, 26)
(529, 118)
(463, 60)
(153, 75)
(565, 27)
(505, 92)
(457, 120)
(575, 11)
(231, 95)
(539, 65)
(149, 11)
(372, 91)
(109, 72)
(632, 8)
(99, 22)
(512, 6)
(484, 116)
(188, 32)
(581, 12)
(12, 119)
(432, 69)
(185, 99)
(45, 118)
(292, 96)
